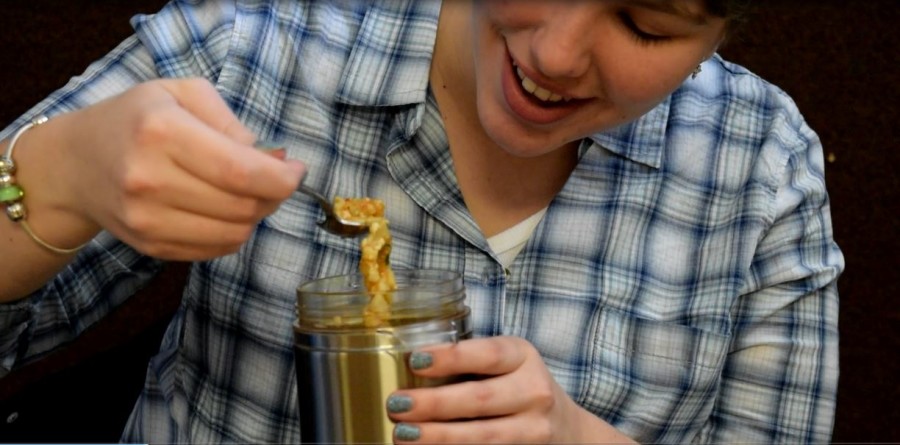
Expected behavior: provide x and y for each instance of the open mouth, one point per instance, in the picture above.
(539, 95)
(543, 95)
(534, 103)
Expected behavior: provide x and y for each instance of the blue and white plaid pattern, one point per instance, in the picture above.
(681, 286)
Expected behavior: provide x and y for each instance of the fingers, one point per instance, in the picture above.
(198, 237)
(229, 165)
(509, 384)
(481, 356)
(182, 179)
(506, 430)
(182, 218)
(514, 400)
(486, 398)
(209, 142)
(190, 194)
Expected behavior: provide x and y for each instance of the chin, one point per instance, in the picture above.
(526, 140)
(522, 146)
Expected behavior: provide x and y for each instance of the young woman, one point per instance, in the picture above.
(643, 227)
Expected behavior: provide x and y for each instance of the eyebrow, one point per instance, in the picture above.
(669, 7)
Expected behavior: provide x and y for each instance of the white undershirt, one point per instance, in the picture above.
(508, 243)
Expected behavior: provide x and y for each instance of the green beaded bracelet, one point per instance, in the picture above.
(12, 194)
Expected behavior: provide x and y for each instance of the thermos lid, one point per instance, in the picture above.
(336, 304)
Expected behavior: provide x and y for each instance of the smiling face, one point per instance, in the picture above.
(547, 73)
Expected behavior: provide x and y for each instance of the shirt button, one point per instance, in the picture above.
(12, 417)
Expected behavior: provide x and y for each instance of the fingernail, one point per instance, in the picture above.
(399, 404)
(277, 153)
(295, 168)
(407, 432)
(420, 360)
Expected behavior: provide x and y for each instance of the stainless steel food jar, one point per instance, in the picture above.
(346, 371)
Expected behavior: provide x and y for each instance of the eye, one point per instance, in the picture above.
(639, 34)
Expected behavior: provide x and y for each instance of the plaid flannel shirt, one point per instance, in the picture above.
(681, 286)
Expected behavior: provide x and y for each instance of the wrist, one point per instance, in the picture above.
(38, 197)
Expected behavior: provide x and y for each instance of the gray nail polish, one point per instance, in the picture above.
(420, 360)
(399, 404)
(407, 432)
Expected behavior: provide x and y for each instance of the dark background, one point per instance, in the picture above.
(837, 59)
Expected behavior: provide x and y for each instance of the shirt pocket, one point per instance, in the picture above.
(291, 241)
(656, 381)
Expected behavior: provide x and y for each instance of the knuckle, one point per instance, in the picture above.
(234, 172)
(248, 211)
(483, 394)
(525, 346)
(136, 182)
(151, 128)
(543, 395)
(496, 354)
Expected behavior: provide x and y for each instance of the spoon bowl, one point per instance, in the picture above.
(333, 223)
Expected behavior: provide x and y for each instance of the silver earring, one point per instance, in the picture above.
(696, 72)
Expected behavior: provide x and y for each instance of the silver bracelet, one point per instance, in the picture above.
(12, 194)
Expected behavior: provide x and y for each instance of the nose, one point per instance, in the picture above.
(562, 47)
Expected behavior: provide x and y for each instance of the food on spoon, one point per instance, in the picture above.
(375, 252)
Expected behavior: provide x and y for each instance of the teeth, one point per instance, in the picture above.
(536, 91)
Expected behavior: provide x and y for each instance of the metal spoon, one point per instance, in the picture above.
(332, 223)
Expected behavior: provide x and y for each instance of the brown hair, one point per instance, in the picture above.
(733, 10)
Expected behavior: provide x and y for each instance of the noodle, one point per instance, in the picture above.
(375, 252)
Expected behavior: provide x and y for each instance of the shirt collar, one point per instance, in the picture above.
(641, 140)
(389, 66)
